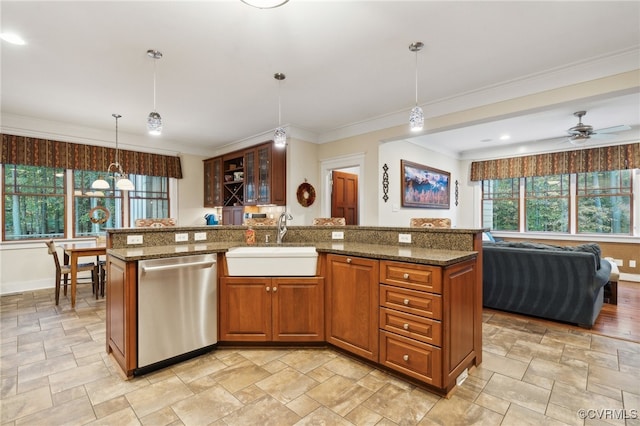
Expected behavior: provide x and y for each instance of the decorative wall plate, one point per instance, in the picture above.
(306, 194)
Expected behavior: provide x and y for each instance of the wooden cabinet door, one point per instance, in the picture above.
(213, 182)
(122, 308)
(245, 309)
(278, 176)
(298, 309)
(351, 304)
(232, 215)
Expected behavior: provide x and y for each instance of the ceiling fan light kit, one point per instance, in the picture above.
(416, 117)
(154, 121)
(581, 133)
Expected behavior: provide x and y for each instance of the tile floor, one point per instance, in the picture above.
(55, 371)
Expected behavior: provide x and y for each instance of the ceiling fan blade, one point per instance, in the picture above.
(614, 129)
(602, 135)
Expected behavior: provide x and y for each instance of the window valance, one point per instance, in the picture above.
(616, 157)
(67, 155)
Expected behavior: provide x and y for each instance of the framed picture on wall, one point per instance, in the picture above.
(424, 186)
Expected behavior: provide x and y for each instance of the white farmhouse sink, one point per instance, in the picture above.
(276, 261)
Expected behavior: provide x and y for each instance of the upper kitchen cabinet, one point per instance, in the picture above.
(265, 178)
(253, 176)
(213, 182)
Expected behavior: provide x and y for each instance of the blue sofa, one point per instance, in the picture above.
(557, 283)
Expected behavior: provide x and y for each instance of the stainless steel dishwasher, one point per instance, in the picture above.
(177, 308)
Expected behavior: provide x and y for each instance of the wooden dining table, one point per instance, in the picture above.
(74, 251)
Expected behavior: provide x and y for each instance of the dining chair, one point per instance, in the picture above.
(329, 221)
(430, 222)
(63, 271)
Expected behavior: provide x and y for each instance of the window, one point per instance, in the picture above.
(604, 202)
(94, 210)
(150, 198)
(582, 203)
(500, 200)
(34, 204)
(547, 203)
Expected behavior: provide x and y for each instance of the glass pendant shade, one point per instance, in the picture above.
(121, 181)
(154, 123)
(124, 184)
(416, 119)
(280, 138)
(265, 4)
(100, 184)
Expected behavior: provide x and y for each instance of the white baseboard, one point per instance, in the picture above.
(630, 277)
(23, 286)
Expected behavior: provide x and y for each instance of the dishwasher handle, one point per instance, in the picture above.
(177, 266)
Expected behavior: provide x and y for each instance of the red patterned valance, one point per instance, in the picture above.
(616, 157)
(67, 155)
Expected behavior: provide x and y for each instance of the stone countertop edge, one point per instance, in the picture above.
(436, 257)
(301, 227)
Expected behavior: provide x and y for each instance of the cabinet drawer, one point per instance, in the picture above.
(411, 301)
(413, 358)
(423, 329)
(412, 276)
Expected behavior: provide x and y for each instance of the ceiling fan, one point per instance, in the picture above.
(581, 132)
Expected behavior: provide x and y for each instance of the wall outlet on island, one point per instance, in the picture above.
(404, 238)
(182, 237)
(337, 235)
(199, 236)
(134, 239)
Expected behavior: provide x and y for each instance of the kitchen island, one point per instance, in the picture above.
(412, 309)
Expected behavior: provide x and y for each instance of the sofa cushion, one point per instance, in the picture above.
(592, 248)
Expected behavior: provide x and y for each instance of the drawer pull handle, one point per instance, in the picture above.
(406, 276)
(268, 289)
(406, 326)
(275, 289)
(406, 302)
(405, 357)
(348, 260)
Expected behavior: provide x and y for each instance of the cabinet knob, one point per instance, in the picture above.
(405, 357)
(406, 302)
(275, 289)
(406, 276)
(268, 289)
(406, 326)
(348, 260)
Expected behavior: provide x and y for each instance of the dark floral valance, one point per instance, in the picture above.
(67, 155)
(616, 157)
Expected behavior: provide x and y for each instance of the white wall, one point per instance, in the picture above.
(302, 163)
(391, 213)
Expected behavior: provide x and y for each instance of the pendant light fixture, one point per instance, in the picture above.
(280, 136)
(122, 182)
(416, 117)
(265, 4)
(154, 121)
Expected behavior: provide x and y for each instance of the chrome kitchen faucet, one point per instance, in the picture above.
(282, 225)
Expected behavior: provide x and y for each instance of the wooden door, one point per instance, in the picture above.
(351, 304)
(298, 309)
(245, 309)
(344, 196)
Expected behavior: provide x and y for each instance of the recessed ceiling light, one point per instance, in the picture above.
(13, 38)
(265, 4)
(505, 137)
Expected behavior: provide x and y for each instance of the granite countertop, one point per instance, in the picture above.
(407, 253)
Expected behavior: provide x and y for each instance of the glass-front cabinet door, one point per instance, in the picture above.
(250, 177)
(264, 185)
